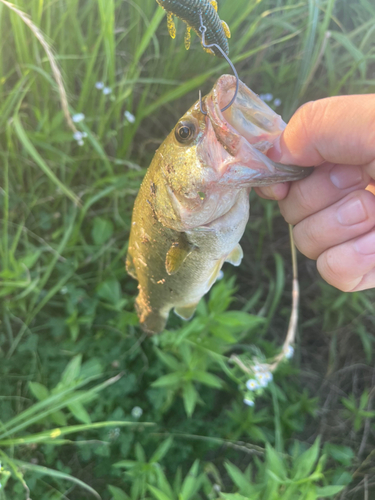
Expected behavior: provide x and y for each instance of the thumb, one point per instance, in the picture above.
(336, 129)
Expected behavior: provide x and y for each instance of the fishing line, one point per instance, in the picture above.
(203, 30)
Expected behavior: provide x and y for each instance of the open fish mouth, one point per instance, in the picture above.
(247, 130)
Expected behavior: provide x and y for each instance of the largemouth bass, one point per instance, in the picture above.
(193, 204)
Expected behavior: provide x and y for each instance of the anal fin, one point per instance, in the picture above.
(236, 255)
(185, 312)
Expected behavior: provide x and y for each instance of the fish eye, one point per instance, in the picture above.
(185, 132)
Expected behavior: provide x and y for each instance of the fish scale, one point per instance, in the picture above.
(188, 11)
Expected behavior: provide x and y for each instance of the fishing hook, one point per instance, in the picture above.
(203, 30)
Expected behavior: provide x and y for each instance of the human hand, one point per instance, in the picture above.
(332, 211)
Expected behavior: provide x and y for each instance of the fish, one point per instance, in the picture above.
(217, 31)
(193, 204)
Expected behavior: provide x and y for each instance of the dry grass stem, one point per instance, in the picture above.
(55, 69)
(292, 328)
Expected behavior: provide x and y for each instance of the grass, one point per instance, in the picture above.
(65, 218)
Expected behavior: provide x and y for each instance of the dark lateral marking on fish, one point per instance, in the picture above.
(153, 188)
(153, 210)
(188, 11)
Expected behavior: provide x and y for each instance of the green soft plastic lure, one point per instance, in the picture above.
(190, 11)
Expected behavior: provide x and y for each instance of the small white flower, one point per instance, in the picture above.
(107, 90)
(268, 376)
(248, 402)
(262, 380)
(266, 97)
(257, 368)
(252, 384)
(77, 136)
(84, 135)
(289, 352)
(78, 117)
(217, 488)
(277, 102)
(64, 290)
(80, 143)
(129, 117)
(99, 85)
(137, 412)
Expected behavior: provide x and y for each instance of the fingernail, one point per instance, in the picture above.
(366, 244)
(352, 212)
(275, 152)
(345, 176)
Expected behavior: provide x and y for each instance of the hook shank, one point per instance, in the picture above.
(203, 30)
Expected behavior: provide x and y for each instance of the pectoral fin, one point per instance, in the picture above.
(235, 257)
(185, 312)
(177, 254)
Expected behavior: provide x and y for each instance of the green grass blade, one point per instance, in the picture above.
(26, 143)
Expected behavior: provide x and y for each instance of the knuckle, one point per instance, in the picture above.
(299, 203)
(307, 239)
(330, 269)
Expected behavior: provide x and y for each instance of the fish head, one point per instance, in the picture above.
(209, 158)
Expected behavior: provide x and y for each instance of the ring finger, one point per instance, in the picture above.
(346, 219)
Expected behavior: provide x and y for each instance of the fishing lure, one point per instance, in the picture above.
(195, 13)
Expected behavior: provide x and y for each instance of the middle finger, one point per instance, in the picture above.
(325, 186)
(344, 220)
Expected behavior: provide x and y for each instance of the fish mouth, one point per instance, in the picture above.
(247, 130)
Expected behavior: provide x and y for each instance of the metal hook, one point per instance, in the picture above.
(203, 30)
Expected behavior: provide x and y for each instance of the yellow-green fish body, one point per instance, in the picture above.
(193, 204)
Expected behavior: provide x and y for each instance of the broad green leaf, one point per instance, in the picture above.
(159, 495)
(168, 380)
(140, 454)
(110, 291)
(168, 360)
(275, 463)
(117, 494)
(329, 491)
(342, 454)
(239, 319)
(39, 391)
(191, 483)
(71, 372)
(102, 230)
(126, 464)
(207, 379)
(59, 418)
(161, 451)
(79, 412)
(238, 496)
(306, 461)
(190, 397)
(239, 479)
